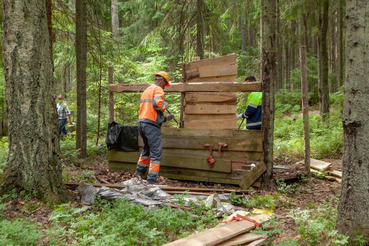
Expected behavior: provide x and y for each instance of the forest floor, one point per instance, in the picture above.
(305, 194)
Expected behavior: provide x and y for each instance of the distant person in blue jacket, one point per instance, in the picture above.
(253, 111)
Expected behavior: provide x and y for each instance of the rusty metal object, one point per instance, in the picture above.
(210, 159)
(220, 146)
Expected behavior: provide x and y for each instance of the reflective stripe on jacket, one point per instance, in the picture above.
(254, 110)
(152, 105)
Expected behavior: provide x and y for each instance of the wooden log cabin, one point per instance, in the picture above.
(208, 118)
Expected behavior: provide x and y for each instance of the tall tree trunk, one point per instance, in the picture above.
(323, 56)
(279, 44)
(340, 67)
(33, 164)
(200, 29)
(268, 85)
(243, 31)
(353, 209)
(81, 58)
(115, 19)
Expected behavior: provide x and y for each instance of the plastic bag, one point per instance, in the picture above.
(128, 139)
(113, 134)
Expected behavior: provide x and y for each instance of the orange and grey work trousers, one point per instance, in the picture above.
(152, 151)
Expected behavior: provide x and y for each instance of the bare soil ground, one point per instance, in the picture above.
(309, 193)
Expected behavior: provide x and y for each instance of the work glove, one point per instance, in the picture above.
(239, 116)
(166, 105)
(170, 116)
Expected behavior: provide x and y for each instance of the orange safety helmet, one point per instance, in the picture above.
(165, 75)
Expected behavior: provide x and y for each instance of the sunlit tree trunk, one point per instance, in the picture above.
(323, 57)
(81, 58)
(268, 85)
(33, 164)
(115, 19)
(243, 31)
(200, 29)
(353, 209)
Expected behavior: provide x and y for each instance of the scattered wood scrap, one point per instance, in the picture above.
(234, 233)
(317, 166)
(253, 175)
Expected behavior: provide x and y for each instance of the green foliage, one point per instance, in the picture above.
(270, 227)
(262, 202)
(3, 153)
(326, 139)
(317, 226)
(19, 232)
(121, 223)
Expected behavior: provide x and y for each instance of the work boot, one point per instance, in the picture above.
(149, 182)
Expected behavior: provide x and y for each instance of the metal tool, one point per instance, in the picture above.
(173, 117)
(241, 123)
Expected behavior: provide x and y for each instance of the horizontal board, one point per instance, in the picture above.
(214, 124)
(201, 97)
(192, 87)
(229, 79)
(219, 70)
(216, 61)
(210, 109)
(209, 117)
(186, 174)
(180, 161)
(242, 134)
(250, 144)
(253, 157)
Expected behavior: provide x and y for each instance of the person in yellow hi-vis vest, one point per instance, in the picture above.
(254, 109)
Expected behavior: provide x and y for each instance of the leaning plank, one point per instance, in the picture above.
(215, 235)
(253, 175)
(241, 239)
(192, 87)
(220, 70)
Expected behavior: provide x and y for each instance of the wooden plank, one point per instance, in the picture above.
(253, 175)
(257, 242)
(335, 173)
(201, 97)
(241, 239)
(250, 144)
(215, 235)
(186, 174)
(210, 109)
(180, 161)
(242, 134)
(215, 124)
(320, 165)
(223, 60)
(219, 70)
(192, 87)
(229, 78)
(254, 157)
(210, 117)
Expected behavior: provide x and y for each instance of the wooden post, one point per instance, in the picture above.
(111, 96)
(196, 58)
(305, 107)
(184, 80)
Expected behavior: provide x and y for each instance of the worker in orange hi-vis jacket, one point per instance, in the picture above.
(152, 106)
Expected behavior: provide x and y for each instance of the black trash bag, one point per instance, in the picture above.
(128, 139)
(112, 136)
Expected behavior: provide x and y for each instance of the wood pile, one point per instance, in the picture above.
(234, 233)
(317, 166)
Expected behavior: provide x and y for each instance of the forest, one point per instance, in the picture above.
(68, 47)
